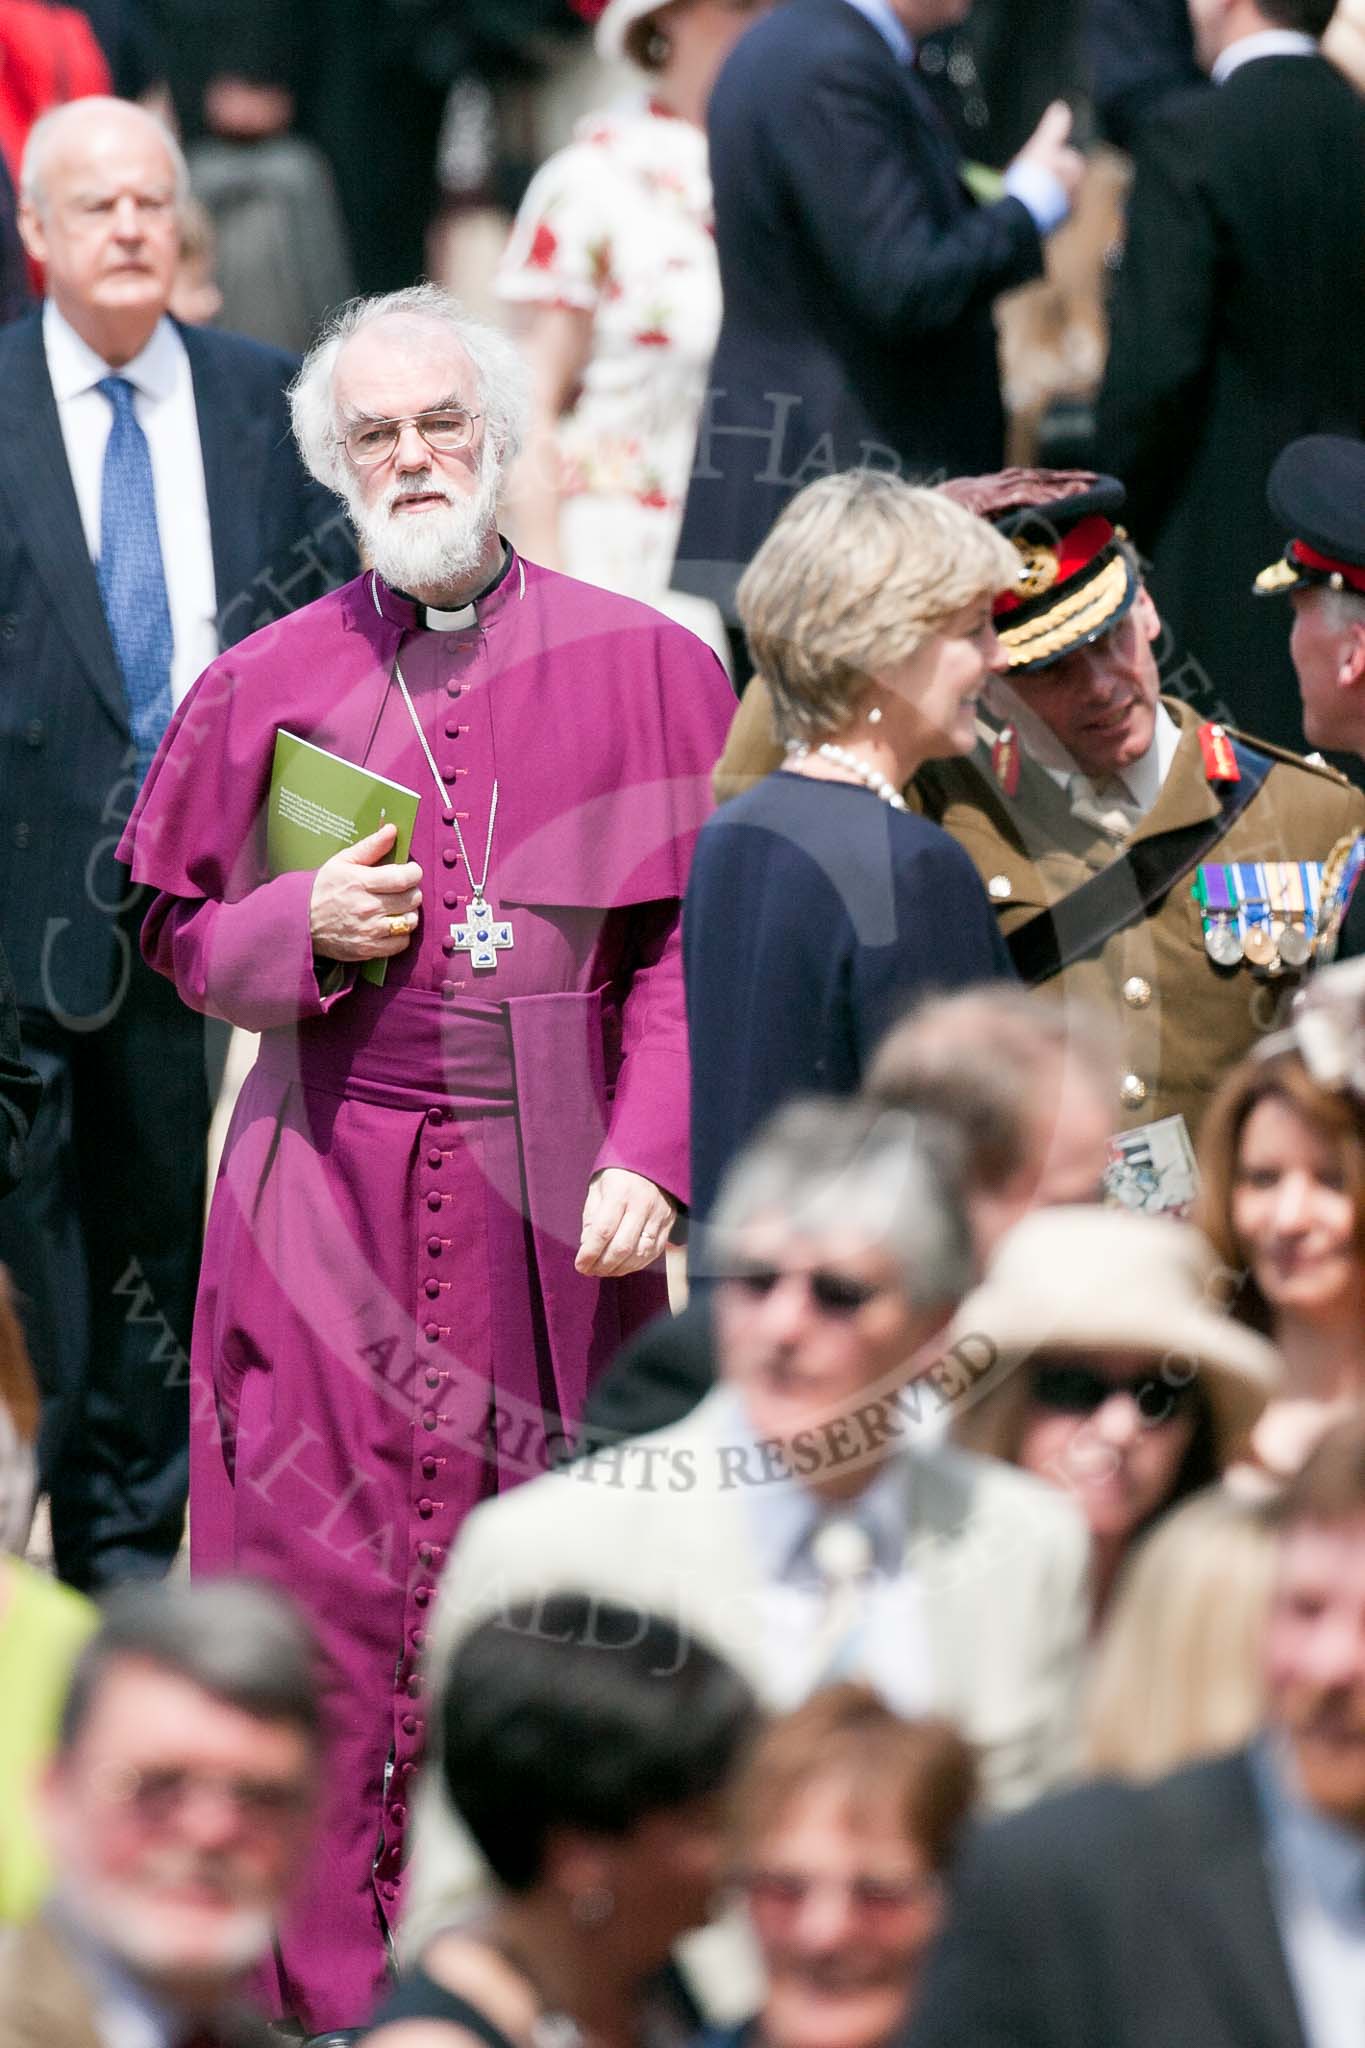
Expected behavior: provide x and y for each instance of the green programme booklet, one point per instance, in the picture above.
(321, 803)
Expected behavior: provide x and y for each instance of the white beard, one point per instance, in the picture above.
(437, 551)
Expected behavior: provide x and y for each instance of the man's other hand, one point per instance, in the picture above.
(626, 1223)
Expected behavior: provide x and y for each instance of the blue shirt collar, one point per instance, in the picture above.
(889, 26)
(1328, 1860)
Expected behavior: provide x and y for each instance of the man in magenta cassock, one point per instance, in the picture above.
(443, 1201)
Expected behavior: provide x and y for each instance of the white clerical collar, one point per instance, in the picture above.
(1266, 42)
(1142, 779)
(74, 367)
(464, 616)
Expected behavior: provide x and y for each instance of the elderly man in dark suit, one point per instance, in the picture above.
(1236, 329)
(858, 273)
(151, 510)
(1221, 1907)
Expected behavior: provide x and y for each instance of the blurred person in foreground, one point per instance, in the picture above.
(1092, 805)
(1022, 1086)
(1109, 1368)
(1026, 1087)
(1316, 494)
(1234, 322)
(175, 1811)
(588, 1748)
(444, 1199)
(1176, 1673)
(611, 273)
(858, 272)
(789, 1520)
(42, 1627)
(1282, 1166)
(846, 1819)
(151, 511)
(819, 905)
(1219, 1906)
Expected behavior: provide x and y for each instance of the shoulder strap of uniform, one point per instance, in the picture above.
(1081, 923)
(1310, 764)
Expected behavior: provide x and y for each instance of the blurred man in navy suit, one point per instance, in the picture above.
(858, 270)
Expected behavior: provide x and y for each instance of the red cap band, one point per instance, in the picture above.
(1309, 558)
(1075, 551)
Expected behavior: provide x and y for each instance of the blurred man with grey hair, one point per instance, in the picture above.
(446, 1193)
(175, 1810)
(789, 1520)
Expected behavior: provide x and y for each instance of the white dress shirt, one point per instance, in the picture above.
(892, 1652)
(164, 404)
(1317, 1883)
(1267, 42)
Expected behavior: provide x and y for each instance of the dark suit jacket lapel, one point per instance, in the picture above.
(940, 151)
(232, 440)
(36, 482)
(1221, 1896)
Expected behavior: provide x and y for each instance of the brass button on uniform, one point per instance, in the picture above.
(1132, 1091)
(1137, 992)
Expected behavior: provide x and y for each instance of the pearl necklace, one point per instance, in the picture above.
(871, 778)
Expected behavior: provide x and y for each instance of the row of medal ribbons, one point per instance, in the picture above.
(1266, 912)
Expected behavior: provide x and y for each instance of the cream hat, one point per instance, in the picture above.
(616, 18)
(1094, 1279)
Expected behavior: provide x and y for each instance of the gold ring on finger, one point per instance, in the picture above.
(398, 926)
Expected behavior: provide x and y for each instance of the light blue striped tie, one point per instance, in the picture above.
(132, 580)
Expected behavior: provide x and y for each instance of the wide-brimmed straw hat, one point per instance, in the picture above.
(1094, 1279)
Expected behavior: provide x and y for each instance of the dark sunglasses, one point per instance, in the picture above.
(1079, 1390)
(834, 1294)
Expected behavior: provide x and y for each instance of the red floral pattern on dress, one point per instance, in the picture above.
(544, 247)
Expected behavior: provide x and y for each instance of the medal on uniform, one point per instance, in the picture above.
(1258, 939)
(1293, 889)
(1222, 939)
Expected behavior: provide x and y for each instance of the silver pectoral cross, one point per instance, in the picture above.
(482, 935)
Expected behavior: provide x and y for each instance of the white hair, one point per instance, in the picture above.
(853, 1169)
(1345, 609)
(48, 130)
(504, 384)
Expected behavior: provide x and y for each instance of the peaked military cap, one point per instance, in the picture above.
(1078, 574)
(1317, 492)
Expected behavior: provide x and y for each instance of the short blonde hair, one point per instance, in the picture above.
(859, 570)
(1177, 1674)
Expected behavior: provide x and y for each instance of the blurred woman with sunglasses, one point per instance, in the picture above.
(845, 1820)
(1282, 1170)
(1107, 1365)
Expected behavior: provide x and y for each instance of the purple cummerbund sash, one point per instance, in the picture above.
(411, 1049)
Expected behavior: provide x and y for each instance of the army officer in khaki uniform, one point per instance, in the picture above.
(1093, 806)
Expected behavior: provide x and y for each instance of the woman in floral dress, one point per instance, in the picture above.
(612, 261)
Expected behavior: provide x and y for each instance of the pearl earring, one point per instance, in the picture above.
(874, 716)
